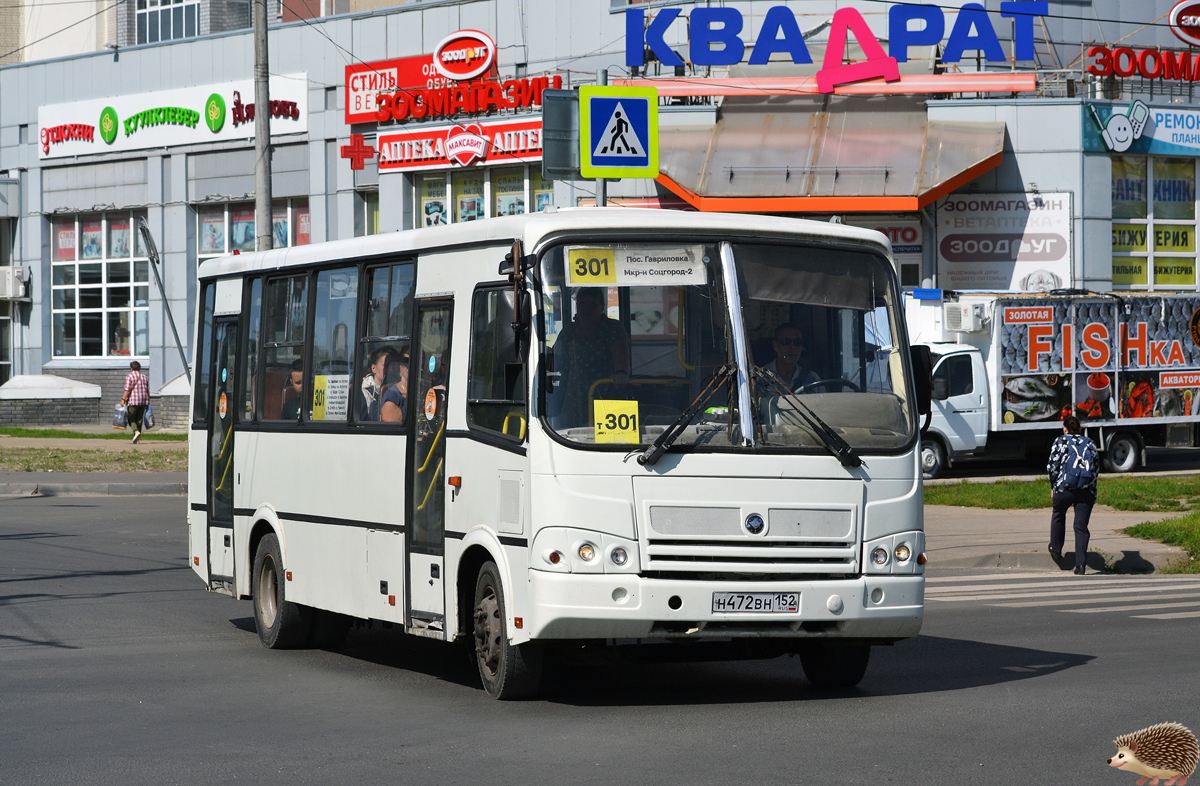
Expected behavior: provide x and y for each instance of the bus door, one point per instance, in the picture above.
(427, 480)
(221, 477)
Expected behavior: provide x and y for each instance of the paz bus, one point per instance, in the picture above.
(582, 428)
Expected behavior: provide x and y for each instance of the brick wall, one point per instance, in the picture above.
(171, 411)
(49, 412)
(12, 33)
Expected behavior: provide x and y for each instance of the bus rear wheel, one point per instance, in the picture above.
(281, 624)
(508, 671)
(835, 666)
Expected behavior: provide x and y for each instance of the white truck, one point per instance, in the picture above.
(1008, 368)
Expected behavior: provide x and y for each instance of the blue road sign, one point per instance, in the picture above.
(619, 131)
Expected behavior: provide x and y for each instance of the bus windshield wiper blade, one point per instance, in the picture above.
(666, 439)
(833, 442)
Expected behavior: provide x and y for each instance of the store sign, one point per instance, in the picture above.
(1185, 21)
(461, 145)
(1014, 242)
(905, 234)
(184, 116)
(714, 38)
(1124, 61)
(1137, 129)
(464, 55)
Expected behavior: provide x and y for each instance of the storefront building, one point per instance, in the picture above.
(989, 158)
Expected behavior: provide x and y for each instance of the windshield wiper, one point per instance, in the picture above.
(833, 442)
(666, 439)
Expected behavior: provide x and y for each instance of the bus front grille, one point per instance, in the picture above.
(755, 557)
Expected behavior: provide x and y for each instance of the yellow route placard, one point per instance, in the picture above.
(616, 422)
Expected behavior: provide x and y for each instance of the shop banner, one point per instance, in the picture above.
(461, 145)
(185, 116)
(1013, 242)
(1136, 128)
(1102, 360)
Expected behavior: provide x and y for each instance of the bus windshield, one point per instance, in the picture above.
(633, 334)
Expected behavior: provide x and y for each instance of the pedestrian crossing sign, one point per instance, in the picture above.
(618, 131)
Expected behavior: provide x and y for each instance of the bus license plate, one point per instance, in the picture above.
(762, 602)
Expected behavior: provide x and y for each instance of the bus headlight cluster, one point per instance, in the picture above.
(587, 552)
(619, 556)
(879, 556)
(903, 552)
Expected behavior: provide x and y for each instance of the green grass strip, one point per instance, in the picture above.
(54, 433)
(1123, 492)
(1183, 532)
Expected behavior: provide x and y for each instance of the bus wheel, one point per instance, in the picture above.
(508, 671)
(1122, 454)
(281, 625)
(841, 666)
(933, 458)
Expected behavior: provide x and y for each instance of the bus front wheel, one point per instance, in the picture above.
(508, 671)
(836, 666)
(281, 624)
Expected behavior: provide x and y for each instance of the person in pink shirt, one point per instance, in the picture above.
(136, 398)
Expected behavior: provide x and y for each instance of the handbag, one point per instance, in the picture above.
(121, 417)
(148, 420)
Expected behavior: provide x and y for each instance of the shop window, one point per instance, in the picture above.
(496, 378)
(225, 228)
(164, 20)
(5, 342)
(100, 286)
(283, 348)
(481, 193)
(333, 344)
(381, 394)
(366, 213)
(1154, 223)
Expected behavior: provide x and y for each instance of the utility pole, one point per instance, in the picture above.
(263, 229)
(601, 186)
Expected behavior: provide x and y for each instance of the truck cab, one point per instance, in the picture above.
(958, 424)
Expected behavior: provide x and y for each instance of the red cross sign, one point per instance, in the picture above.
(357, 152)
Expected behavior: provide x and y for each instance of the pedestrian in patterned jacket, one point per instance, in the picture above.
(136, 398)
(1073, 474)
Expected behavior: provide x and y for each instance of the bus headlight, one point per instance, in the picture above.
(903, 553)
(879, 556)
(587, 552)
(619, 556)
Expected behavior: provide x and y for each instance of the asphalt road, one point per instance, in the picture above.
(117, 668)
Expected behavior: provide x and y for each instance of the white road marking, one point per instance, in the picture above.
(1017, 595)
(1070, 579)
(1138, 607)
(1175, 616)
(1029, 604)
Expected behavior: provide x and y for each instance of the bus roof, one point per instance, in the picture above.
(533, 228)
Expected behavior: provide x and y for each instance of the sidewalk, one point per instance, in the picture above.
(981, 538)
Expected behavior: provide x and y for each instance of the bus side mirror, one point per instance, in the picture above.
(922, 365)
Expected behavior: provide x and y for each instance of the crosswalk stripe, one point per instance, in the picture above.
(1066, 593)
(987, 577)
(1029, 604)
(1069, 579)
(1137, 607)
(1178, 615)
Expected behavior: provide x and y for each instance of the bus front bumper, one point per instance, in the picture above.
(605, 606)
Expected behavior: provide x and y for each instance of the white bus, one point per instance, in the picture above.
(565, 430)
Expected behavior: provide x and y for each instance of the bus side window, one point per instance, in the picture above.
(250, 353)
(328, 391)
(380, 392)
(204, 356)
(496, 399)
(283, 348)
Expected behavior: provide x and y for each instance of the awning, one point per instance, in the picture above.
(824, 154)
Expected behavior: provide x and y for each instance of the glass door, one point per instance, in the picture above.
(427, 492)
(220, 423)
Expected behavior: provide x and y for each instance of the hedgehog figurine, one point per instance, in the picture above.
(1167, 750)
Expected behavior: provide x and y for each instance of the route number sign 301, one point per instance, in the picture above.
(591, 266)
(616, 422)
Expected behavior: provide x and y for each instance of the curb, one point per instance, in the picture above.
(92, 489)
(1097, 561)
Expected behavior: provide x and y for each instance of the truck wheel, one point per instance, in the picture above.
(281, 625)
(933, 458)
(835, 666)
(1123, 454)
(508, 671)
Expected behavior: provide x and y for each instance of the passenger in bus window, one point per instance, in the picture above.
(789, 346)
(591, 348)
(293, 388)
(372, 387)
(395, 395)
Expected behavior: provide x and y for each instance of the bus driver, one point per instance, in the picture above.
(591, 348)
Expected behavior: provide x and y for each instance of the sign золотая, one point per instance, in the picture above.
(183, 116)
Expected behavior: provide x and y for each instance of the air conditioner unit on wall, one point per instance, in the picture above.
(962, 317)
(12, 283)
